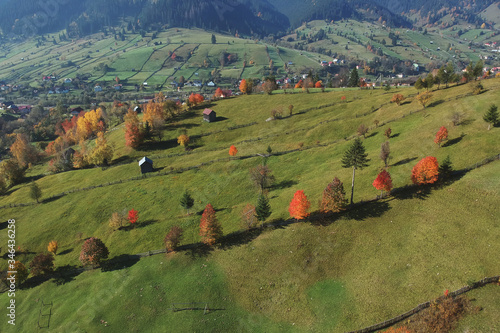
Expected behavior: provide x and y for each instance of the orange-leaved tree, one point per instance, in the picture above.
(133, 134)
(397, 98)
(334, 199)
(243, 86)
(441, 135)
(318, 84)
(196, 98)
(219, 93)
(299, 206)
(210, 229)
(425, 171)
(383, 182)
(232, 150)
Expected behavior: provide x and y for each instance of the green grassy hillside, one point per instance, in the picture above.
(363, 267)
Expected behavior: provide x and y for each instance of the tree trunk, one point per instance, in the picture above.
(352, 186)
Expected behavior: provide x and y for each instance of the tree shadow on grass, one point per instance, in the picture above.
(283, 184)
(453, 141)
(3, 225)
(395, 135)
(120, 262)
(371, 134)
(35, 281)
(65, 252)
(421, 192)
(155, 145)
(197, 250)
(436, 103)
(238, 238)
(405, 161)
(66, 273)
(362, 211)
(175, 126)
(51, 199)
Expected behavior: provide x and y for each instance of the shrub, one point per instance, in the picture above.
(52, 248)
(173, 238)
(42, 264)
(117, 220)
(93, 251)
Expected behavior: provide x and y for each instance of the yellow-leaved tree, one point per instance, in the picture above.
(102, 153)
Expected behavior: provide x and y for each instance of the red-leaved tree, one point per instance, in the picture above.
(133, 216)
(383, 182)
(299, 206)
(93, 251)
(233, 151)
(441, 135)
(425, 171)
(210, 229)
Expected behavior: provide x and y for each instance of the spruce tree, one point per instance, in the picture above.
(214, 40)
(263, 209)
(353, 78)
(187, 201)
(356, 158)
(491, 116)
(445, 169)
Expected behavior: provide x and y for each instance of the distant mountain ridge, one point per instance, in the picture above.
(250, 17)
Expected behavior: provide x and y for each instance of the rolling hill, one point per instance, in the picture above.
(337, 274)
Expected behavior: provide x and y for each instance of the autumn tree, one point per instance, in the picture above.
(362, 130)
(262, 177)
(23, 152)
(426, 171)
(133, 216)
(93, 251)
(318, 84)
(248, 216)
(102, 153)
(187, 201)
(243, 86)
(42, 264)
(397, 98)
(133, 134)
(52, 248)
(356, 158)
(383, 182)
(219, 93)
(232, 150)
(299, 206)
(195, 99)
(441, 136)
(388, 132)
(154, 116)
(35, 191)
(491, 116)
(117, 220)
(210, 229)
(385, 151)
(269, 86)
(12, 171)
(334, 199)
(263, 209)
(18, 272)
(290, 109)
(424, 98)
(173, 238)
(183, 140)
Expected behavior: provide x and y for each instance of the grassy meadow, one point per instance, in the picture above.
(351, 271)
